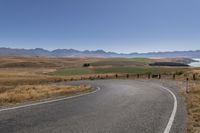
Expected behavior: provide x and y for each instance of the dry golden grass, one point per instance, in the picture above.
(193, 107)
(33, 70)
(25, 78)
(24, 93)
(43, 62)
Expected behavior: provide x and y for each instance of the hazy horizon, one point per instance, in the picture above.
(101, 49)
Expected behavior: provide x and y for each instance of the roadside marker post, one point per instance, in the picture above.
(194, 77)
(174, 76)
(127, 76)
(138, 76)
(149, 76)
(187, 85)
(159, 76)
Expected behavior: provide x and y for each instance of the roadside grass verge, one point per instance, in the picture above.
(193, 107)
(25, 93)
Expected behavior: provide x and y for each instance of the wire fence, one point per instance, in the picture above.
(188, 79)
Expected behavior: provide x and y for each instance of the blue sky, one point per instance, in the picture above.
(112, 25)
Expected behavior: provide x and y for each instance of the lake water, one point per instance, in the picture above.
(195, 64)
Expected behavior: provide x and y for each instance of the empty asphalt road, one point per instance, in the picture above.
(120, 106)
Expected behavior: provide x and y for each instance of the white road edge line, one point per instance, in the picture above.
(171, 119)
(50, 101)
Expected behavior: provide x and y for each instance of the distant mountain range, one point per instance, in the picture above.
(97, 53)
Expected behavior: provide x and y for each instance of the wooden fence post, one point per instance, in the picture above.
(159, 76)
(127, 75)
(194, 77)
(149, 76)
(187, 85)
(174, 76)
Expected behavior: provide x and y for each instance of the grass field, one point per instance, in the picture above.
(123, 62)
(72, 71)
(113, 70)
(131, 70)
(27, 78)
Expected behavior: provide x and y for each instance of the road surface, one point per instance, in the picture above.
(120, 106)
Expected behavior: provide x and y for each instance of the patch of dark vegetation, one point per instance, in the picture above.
(155, 75)
(86, 65)
(179, 72)
(172, 64)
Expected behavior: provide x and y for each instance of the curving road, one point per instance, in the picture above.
(120, 106)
